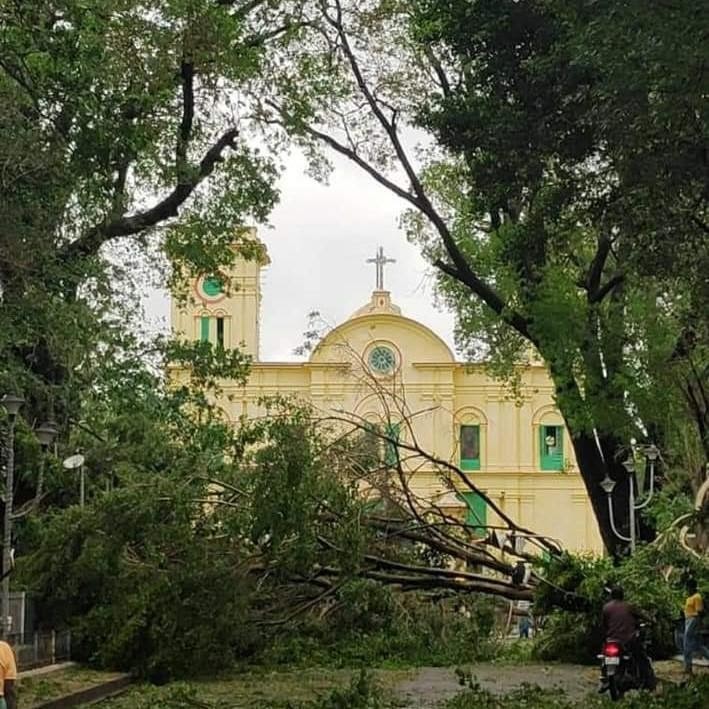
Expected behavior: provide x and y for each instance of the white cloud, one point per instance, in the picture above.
(319, 240)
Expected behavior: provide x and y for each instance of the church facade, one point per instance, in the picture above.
(514, 447)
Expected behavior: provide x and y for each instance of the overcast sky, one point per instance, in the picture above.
(319, 240)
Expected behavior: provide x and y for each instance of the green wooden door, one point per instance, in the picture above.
(476, 514)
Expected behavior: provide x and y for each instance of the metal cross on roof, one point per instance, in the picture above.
(380, 260)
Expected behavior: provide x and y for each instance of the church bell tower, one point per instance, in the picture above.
(224, 308)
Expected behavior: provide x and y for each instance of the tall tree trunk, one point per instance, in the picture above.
(597, 458)
(593, 469)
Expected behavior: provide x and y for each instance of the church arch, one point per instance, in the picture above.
(470, 414)
(547, 414)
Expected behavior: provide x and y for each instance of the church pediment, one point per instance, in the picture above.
(382, 340)
(379, 339)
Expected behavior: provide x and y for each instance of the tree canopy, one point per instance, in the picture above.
(559, 189)
(123, 126)
(552, 158)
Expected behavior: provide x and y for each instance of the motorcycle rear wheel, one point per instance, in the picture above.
(614, 689)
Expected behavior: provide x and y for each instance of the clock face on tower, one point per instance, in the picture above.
(382, 360)
(210, 287)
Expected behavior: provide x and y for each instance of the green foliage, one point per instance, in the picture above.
(141, 590)
(206, 364)
(538, 124)
(362, 693)
(653, 581)
(139, 572)
(175, 696)
(373, 626)
(200, 550)
(517, 652)
(117, 126)
(690, 696)
(299, 490)
(365, 606)
(557, 169)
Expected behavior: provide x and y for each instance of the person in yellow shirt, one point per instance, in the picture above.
(693, 610)
(8, 672)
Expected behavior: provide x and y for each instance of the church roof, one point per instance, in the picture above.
(380, 321)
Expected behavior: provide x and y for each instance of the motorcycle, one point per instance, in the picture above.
(621, 669)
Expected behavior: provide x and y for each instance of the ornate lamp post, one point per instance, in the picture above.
(608, 484)
(45, 434)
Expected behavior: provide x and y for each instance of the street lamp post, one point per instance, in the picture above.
(12, 405)
(45, 434)
(608, 485)
(71, 463)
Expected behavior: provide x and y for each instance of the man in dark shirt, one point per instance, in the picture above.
(620, 619)
(621, 622)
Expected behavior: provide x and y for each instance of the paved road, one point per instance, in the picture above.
(430, 685)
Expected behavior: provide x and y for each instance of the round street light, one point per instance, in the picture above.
(46, 433)
(651, 452)
(608, 485)
(12, 404)
(629, 465)
(71, 463)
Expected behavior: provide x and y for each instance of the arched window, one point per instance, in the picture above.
(222, 335)
(469, 429)
(550, 438)
(203, 326)
(220, 332)
(379, 441)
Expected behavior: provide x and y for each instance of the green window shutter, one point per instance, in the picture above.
(551, 447)
(391, 451)
(469, 442)
(476, 514)
(220, 332)
(204, 329)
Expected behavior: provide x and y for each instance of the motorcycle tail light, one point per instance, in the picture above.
(611, 650)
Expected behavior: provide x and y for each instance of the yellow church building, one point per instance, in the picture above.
(514, 446)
